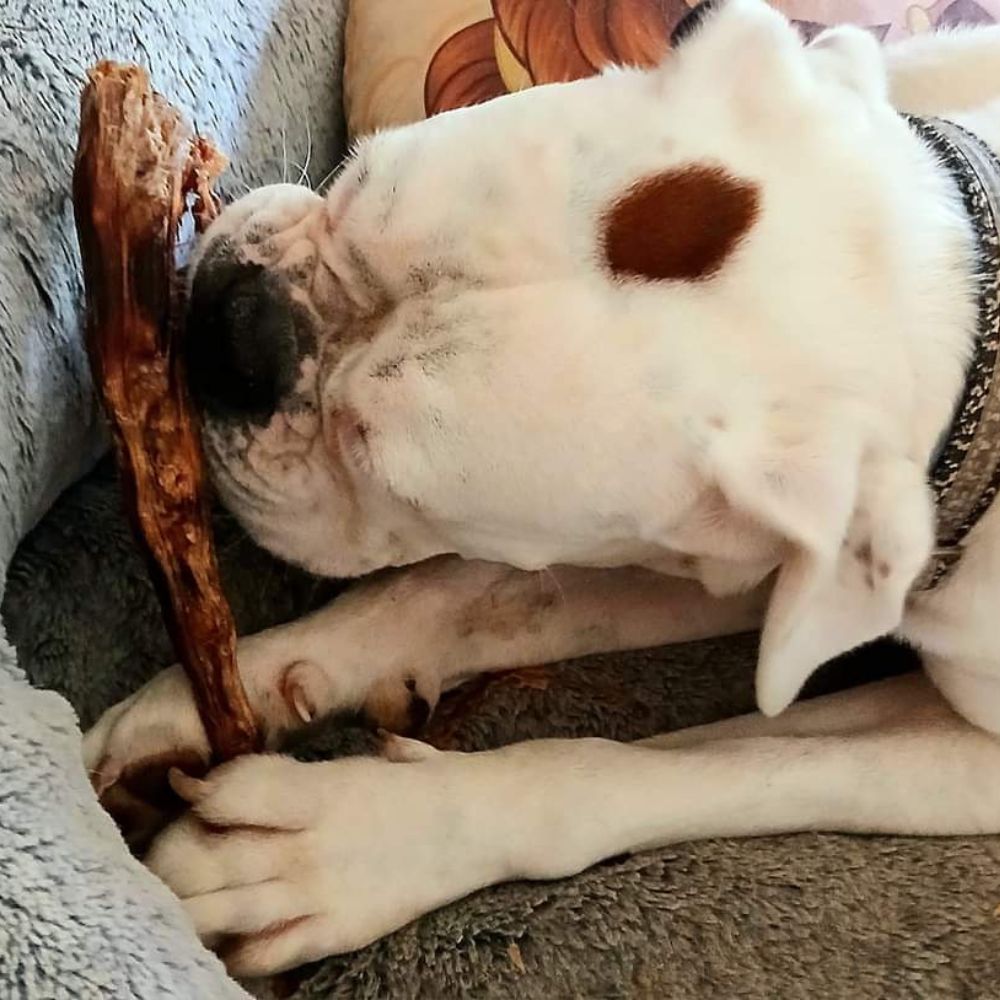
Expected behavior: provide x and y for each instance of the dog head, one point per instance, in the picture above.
(639, 318)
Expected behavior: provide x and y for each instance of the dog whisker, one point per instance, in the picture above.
(332, 173)
(284, 150)
(304, 176)
(301, 168)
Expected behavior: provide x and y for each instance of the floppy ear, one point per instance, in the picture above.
(854, 57)
(859, 528)
(742, 50)
(723, 24)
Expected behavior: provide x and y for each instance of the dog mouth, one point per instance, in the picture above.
(278, 314)
(297, 480)
(256, 478)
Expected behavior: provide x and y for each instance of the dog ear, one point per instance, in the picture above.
(744, 51)
(854, 58)
(681, 224)
(858, 522)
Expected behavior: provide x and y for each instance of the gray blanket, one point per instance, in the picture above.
(78, 918)
(771, 919)
(792, 917)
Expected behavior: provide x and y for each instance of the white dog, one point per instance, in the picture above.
(692, 349)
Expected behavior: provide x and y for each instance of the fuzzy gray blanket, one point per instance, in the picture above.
(844, 918)
(78, 918)
(786, 918)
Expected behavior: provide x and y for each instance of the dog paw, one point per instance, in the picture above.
(132, 747)
(134, 744)
(293, 675)
(280, 862)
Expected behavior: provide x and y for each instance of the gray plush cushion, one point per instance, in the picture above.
(78, 917)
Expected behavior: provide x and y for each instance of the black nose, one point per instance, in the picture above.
(240, 339)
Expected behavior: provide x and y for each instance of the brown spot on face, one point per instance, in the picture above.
(718, 423)
(884, 569)
(713, 508)
(679, 225)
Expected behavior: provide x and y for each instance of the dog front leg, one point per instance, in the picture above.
(296, 866)
(906, 764)
(389, 645)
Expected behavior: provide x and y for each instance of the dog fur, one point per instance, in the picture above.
(638, 359)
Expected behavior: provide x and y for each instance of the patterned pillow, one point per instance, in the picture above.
(407, 59)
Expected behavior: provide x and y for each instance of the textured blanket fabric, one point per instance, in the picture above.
(78, 918)
(844, 918)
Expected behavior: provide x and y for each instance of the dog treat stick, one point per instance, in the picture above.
(137, 164)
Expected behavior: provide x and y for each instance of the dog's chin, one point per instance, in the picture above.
(320, 545)
(334, 560)
(321, 530)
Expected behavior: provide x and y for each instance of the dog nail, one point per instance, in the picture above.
(302, 708)
(191, 790)
(107, 774)
(402, 750)
(294, 693)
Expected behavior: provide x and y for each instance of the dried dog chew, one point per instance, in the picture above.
(138, 163)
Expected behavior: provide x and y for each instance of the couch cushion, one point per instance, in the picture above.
(407, 59)
(782, 917)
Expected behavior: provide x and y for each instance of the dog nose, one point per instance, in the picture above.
(239, 339)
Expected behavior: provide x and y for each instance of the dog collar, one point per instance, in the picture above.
(965, 469)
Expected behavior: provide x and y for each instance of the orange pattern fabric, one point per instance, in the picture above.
(410, 58)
